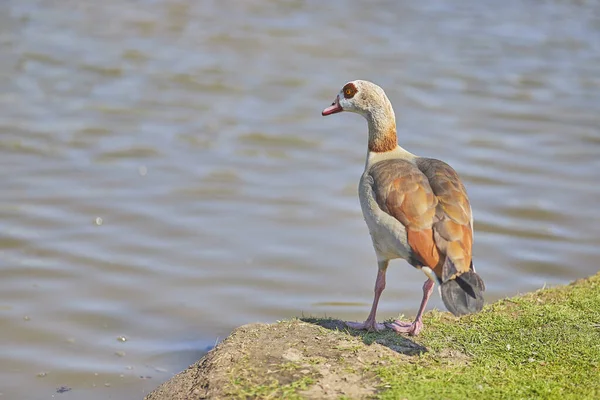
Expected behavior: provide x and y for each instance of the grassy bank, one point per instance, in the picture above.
(544, 344)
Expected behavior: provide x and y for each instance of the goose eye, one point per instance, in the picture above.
(349, 91)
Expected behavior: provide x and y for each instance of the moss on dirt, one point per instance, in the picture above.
(544, 344)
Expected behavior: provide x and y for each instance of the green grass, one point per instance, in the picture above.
(541, 345)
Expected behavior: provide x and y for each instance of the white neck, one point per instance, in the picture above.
(397, 153)
(382, 126)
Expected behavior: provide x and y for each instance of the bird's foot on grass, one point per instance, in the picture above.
(368, 325)
(412, 328)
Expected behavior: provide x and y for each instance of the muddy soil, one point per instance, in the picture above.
(309, 359)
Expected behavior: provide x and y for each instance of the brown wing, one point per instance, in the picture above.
(431, 203)
(453, 230)
(403, 191)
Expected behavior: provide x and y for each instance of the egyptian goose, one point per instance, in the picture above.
(416, 209)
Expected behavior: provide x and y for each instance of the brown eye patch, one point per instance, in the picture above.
(349, 90)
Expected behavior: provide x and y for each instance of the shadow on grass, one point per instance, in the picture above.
(398, 343)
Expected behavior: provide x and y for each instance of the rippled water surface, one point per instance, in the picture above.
(166, 174)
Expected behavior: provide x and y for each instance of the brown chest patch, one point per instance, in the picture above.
(383, 143)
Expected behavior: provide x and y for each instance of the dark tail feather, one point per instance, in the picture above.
(463, 294)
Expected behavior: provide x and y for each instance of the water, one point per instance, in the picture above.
(167, 176)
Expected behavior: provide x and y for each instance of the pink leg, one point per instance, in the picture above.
(415, 327)
(371, 324)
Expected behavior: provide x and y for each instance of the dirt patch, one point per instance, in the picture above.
(322, 359)
(319, 359)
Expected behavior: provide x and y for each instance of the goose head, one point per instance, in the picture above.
(370, 101)
(361, 97)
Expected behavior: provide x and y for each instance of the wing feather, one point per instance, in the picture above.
(429, 200)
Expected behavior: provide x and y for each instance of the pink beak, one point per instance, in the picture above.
(333, 108)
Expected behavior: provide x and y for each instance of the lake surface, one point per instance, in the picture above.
(166, 174)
